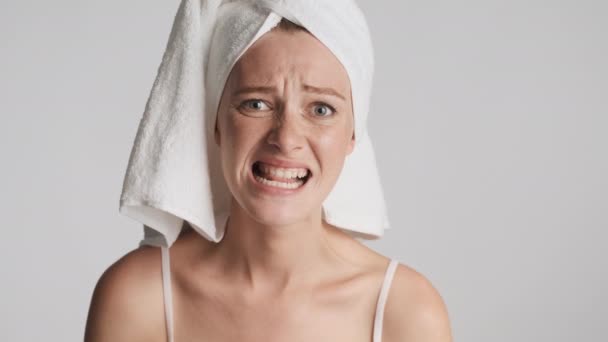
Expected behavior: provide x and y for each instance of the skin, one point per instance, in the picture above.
(280, 273)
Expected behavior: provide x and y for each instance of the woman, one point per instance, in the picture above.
(279, 271)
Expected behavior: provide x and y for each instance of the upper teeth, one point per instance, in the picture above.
(283, 172)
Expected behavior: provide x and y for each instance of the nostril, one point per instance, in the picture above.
(285, 136)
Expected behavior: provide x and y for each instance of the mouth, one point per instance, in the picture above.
(280, 177)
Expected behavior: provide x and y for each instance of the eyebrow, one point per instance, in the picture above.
(323, 91)
(307, 87)
(260, 89)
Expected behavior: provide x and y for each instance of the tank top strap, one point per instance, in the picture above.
(382, 296)
(167, 294)
(168, 298)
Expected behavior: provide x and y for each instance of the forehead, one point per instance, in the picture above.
(279, 54)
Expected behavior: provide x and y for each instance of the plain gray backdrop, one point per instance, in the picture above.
(489, 119)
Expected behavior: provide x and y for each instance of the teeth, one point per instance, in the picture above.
(284, 185)
(283, 172)
(286, 178)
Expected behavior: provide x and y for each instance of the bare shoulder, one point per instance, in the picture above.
(414, 310)
(127, 303)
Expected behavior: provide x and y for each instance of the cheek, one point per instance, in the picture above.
(332, 147)
(241, 136)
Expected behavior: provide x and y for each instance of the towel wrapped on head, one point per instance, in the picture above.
(174, 172)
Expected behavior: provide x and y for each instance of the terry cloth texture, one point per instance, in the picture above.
(174, 171)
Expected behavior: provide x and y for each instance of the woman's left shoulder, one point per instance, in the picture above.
(414, 311)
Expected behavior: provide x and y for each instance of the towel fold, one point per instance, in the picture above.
(174, 171)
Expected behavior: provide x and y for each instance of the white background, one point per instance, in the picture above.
(489, 118)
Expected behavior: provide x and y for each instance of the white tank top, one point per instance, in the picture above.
(378, 317)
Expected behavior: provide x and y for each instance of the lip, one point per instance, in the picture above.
(284, 163)
(274, 190)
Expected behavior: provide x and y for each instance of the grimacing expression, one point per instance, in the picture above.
(287, 98)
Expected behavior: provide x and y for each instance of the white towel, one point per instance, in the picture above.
(174, 171)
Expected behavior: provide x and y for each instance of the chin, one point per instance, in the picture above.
(278, 214)
(271, 206)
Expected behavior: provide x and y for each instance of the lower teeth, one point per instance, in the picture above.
(290, 185)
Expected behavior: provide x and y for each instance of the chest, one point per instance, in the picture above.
(342, 315)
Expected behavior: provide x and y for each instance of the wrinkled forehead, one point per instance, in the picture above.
(338, 24)
(280, 58)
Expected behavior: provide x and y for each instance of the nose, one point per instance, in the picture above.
(286, 134)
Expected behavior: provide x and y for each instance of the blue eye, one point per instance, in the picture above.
(323, 110)
(255, 105)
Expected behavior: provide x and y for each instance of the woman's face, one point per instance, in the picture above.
(284, 127)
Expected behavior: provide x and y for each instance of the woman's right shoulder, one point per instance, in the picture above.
(127, 302)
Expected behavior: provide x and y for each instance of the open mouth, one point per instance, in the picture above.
(284, 178)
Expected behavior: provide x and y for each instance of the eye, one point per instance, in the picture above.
(322, 109)
(255, 105)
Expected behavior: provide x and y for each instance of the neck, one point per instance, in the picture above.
(272, 257)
